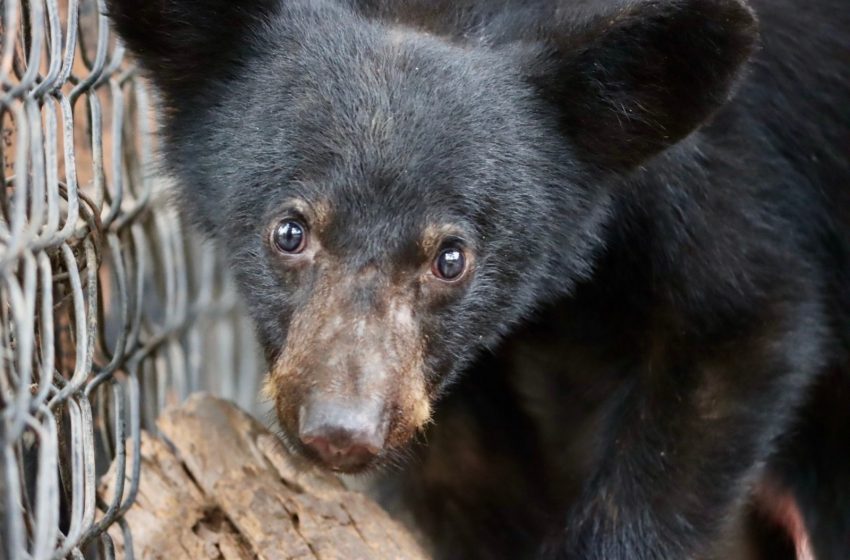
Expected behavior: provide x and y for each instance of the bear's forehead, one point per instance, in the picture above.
(389, 126)
(369, 73)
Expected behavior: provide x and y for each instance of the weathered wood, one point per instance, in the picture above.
(220, 486)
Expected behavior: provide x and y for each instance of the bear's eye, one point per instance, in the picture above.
(450, 264)
(289, 236)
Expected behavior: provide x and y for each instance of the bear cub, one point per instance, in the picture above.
(572, 277)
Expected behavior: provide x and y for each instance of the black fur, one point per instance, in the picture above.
(660, 310)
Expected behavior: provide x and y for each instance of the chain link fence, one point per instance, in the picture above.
(109, 308)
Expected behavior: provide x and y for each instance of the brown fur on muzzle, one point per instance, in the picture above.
(341, 350)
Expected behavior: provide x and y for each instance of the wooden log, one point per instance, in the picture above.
(218, 485)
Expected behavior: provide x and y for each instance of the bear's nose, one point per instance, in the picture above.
(344, 437)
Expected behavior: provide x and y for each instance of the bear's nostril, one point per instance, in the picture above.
(318, 444)
(342, 451)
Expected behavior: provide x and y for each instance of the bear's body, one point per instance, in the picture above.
(654, 322)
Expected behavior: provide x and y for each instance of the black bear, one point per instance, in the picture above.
(572, 275)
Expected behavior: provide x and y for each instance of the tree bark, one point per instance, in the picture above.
(218, 485)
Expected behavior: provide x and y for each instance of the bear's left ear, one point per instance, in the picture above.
(183, 44)
(636, 81)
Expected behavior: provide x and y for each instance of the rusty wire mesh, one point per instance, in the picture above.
(109, 308)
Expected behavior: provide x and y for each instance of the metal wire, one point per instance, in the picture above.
(109, 308)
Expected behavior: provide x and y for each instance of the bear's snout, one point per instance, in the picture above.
(349, 385)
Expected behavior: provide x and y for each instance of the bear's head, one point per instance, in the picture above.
(397, 184)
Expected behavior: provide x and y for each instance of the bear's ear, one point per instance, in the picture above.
(181, 43)
(631, 83)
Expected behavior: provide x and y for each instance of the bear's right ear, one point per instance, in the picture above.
(182, 43)
(633, 82)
